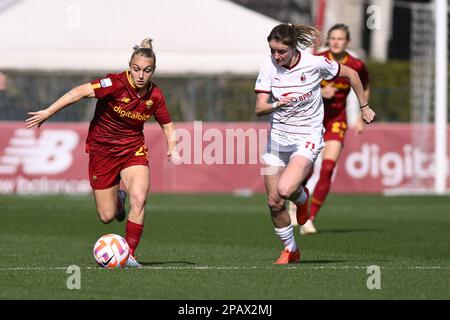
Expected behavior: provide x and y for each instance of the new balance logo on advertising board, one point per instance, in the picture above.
(49, 153)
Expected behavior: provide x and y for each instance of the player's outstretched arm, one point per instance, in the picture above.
(170, 133)
(367, 113)
(360, 125)
(37, 118)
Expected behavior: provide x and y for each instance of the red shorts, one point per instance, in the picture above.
(104, 172)
(335, 130)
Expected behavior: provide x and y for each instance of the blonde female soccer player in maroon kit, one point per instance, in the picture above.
(115, 141)
(288, 90)
(334, 94)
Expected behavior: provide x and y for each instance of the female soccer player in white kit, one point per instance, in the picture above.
(288, 89)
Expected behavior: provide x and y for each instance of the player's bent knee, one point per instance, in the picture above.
(285, 191)
(276, 205)
(106, 218)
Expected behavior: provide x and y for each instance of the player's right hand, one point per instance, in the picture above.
(37, 118)
(284, 101)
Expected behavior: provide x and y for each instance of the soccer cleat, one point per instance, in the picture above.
(132, 263)
(288, 257)
(308, 228)
(302, 209)
(293, 213)
(121, 213)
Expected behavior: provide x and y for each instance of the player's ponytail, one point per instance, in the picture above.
(295, 35)
(144, 49)
(145, 44)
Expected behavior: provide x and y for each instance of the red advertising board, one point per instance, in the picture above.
(217, 157)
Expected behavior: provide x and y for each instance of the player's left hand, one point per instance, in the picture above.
(174, 157)
(368, 115)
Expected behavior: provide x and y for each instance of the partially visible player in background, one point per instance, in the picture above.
(115, 142)
(288, 89)
(334, 94)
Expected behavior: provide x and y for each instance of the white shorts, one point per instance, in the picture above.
(279, 155)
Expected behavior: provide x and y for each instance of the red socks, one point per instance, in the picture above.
(323, 187)
(133, 232)
(305, 181)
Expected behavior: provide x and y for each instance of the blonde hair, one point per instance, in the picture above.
(296, 35)
(144, 49)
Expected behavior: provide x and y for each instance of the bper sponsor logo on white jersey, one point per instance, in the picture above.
(298, 97)
(49, 153)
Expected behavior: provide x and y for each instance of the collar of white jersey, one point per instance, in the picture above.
(297, 62)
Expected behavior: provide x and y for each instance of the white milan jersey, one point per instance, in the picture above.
(303, 116)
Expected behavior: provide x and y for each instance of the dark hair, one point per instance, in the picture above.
(145, 49)
(340, 26)
(295, 35)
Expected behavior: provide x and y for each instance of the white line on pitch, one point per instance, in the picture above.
(297, 267)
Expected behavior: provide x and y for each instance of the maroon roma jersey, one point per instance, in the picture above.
(335, 107)
(120, 114)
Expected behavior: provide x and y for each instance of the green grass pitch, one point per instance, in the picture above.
(210, 247)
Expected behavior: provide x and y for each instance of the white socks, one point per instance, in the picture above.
(286, 236)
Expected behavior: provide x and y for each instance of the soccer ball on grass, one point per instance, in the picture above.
(111, 251)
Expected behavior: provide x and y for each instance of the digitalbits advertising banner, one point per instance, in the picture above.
(217, 157)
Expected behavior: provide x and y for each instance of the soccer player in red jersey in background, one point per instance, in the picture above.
(334, 94)
(115, 141)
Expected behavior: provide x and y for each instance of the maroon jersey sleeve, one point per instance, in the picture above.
(106, 86)
(161, 114)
